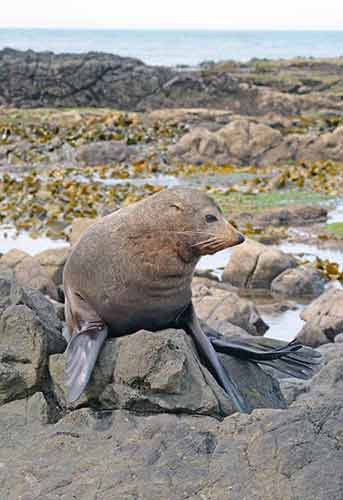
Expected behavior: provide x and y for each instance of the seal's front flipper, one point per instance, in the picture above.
(82, 353)
(190, 323)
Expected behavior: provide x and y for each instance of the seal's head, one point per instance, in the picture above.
(195, 220)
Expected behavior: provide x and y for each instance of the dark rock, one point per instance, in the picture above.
(292, 215)
(103, 152)
(45, 79)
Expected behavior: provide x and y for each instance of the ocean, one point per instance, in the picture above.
(173, 47)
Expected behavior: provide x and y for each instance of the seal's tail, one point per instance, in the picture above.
(292, 359)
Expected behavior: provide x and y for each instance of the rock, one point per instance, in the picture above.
(46, 313)
(52, 262)
(23, 353)
(200, 143)
(160, 372)
(229, 307)
(32, 411)
(298, 282)
(327, 146)
(78, 227)
(103, 152)
(13, 257)
(241, 141)
(324, 319)
(245, 141)
(292, 215)
(327, 384)
(30, 273)
(253, 265)
(248, 140)
(267, 455)
(6, 281)
(38, 409)
(103, 80)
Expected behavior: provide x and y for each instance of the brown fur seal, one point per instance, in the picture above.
(133, 270)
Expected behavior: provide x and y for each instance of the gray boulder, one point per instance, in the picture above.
(291, 215)
(52, 262)
(6, 280)
(299, 282)
(103, 152)
(13, 257)
(240, 142)
(254, 265)
(327, 384)
(160, 372)
(23, 353)
(46, 313)
(324, 319)
(223, 305)
(30, 273)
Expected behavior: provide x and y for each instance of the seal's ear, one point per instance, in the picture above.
(178, 206)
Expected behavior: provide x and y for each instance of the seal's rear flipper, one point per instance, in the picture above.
(82, 353)
(208, 355)
(292, 359)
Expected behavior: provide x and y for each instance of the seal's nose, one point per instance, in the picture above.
(241, 239)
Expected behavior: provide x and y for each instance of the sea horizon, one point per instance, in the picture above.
(173, 47)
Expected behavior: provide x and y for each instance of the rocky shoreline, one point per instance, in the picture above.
(45, 79)
(265, 139)
(153, 422)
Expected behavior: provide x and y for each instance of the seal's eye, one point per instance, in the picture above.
(211, 218)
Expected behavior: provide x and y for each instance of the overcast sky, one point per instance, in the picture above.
(220, 14)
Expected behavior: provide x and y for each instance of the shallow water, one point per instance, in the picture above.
(285, 325)
(215, 262)
(310, 252)
(336, 215)
(9, 239)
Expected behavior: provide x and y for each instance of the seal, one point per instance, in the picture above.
(132, 270)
